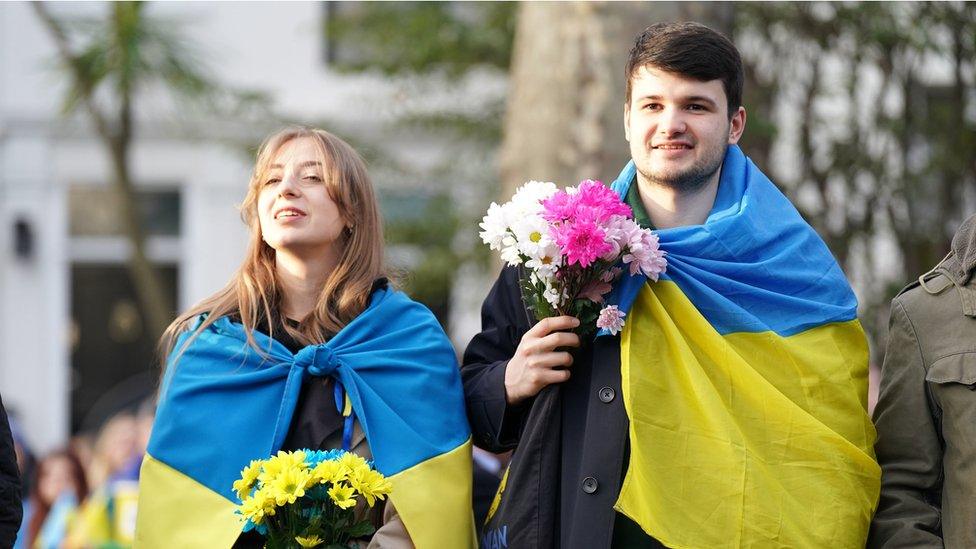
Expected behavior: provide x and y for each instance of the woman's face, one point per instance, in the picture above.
(56, 477)
(295, 210)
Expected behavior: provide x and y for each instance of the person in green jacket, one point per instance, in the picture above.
(926, 413)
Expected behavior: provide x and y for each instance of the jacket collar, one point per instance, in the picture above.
(962, 262)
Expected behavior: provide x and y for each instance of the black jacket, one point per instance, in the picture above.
(11, 510)
(594, 423)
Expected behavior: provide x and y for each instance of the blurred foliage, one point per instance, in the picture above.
(444, 42)
(108, 60)
(877, 101)
(420, 37)
(427, 234)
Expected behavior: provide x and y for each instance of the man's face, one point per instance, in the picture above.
(678, 128)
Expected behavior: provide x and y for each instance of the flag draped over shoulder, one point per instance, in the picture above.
(224, 404)
(744, 373)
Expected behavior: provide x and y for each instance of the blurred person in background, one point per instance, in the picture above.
(25, 465)
(108, 515)
(113, 449)
(926, 412)
(308, 347)
(58, 488)
(11, 509)
(142, 429)
(488, 469)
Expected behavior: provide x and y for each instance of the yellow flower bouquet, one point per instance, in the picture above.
(308, 498)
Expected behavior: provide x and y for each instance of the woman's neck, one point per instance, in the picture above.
(301, 280)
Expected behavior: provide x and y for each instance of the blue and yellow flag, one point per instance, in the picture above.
(224, 404)
(744, 373)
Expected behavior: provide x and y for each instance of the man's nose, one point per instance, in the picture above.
(671, 122)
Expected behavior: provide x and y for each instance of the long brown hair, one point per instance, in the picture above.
(41, 508)
(254, 292)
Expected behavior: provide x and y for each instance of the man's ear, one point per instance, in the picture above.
(737, 125)
(627, 121)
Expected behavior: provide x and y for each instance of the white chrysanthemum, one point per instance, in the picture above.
(553, 296)
(532, 233)
(494, 226)
(545, 261)
(510, 250)
(528, 198)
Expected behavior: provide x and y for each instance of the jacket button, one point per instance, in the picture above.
(590, 485)
(607, 394)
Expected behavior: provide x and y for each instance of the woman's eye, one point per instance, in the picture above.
(312, 177)
(272, 181)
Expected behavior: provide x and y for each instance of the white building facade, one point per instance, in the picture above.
(54, 173)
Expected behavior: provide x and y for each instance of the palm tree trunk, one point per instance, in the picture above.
(156, 307)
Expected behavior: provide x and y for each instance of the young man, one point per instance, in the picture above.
(926, 413)
(731, 410)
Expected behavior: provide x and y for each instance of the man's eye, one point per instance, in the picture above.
(695, 107)
(653, 106)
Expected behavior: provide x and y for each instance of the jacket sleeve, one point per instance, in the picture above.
(909, 447)
(393, 534)
(11, 510)
(495, 425)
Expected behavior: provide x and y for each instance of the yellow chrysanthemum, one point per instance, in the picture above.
(284, 461)
(309, 541)
(342, 495)
(371, 484)
(289, 485)
(328, 471)
(351, 462)
(258, 506)
(248, 477)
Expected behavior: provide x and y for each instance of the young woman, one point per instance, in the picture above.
(308, 323)
(58, 488)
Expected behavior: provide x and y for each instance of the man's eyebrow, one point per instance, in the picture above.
(689, 99)
(700, 99)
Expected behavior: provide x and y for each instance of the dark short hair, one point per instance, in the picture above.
(691, 50)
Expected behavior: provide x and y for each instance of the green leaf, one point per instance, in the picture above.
(361, 529)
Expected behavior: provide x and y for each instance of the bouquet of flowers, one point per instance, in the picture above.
(571, 244)
(308, 498)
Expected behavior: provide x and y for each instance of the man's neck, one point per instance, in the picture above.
(670, 208)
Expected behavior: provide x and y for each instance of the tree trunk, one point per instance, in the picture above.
(152, 299)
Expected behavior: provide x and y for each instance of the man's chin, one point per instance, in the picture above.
(683, 181)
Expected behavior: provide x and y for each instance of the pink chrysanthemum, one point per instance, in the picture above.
(559, 207)
(602, 199)
(590, 200)
(581, 242)
(611, 318)
(646, 256)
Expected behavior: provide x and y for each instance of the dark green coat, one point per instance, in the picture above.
(926, 413)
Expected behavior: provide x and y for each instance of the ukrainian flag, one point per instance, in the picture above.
(744, 373)
(224, 404)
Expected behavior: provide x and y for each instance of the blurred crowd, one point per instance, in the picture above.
(84, 494)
